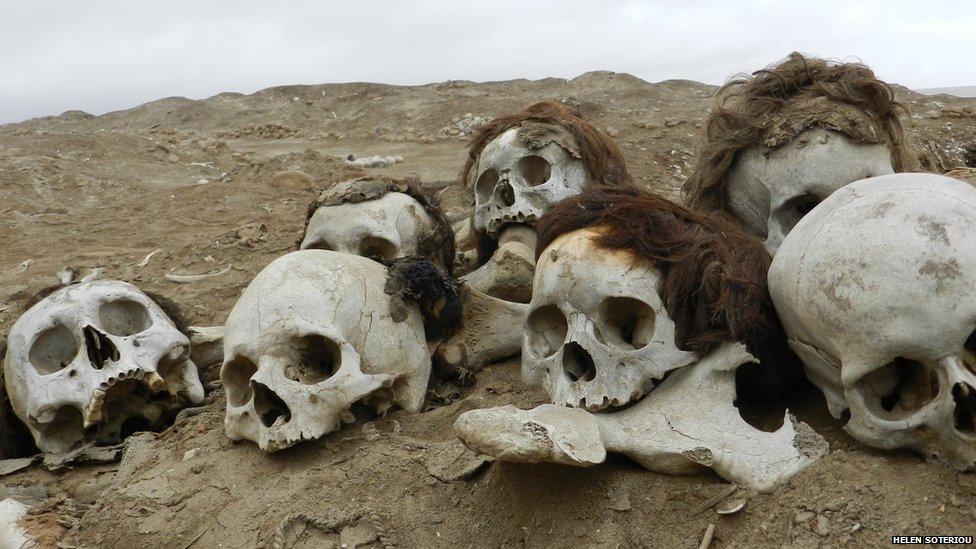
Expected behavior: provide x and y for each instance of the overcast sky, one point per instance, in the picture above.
(100, 55)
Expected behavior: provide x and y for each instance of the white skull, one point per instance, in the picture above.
(769, 191)
(386, 228)
(597, 333)
(313, 334)
(875, 288)
(516, 183)
(94, 361)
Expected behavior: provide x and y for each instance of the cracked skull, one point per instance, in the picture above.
(312, 335)
(597, 333)
(94, 362)
(875, 290)
(771, 190)
(516, 183)
(388, 227)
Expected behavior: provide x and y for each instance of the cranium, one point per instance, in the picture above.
(771, 190)
(875, 290)
(313, 334)
(599, 339)
(373, 218)
(516, 183)
(94, 361)
(597, 334)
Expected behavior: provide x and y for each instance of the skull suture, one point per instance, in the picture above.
(516, 183)
(313, 334)
(597, 334)
(771, 190)
(386, 225)
(875, 288)
(94, 361)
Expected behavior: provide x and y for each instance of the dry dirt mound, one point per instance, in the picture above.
(192, 180)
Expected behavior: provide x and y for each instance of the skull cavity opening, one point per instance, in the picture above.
(123, 317)
(236, 378)
(547, 327)
(628, 322)
(577, 363)
(535, 170)
(53, 350)
(899, 388)
(377, 249)
(964, 414)
(319, 358)
(100, 348)
(270, 408)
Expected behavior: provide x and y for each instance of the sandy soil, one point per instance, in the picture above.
(197, 181)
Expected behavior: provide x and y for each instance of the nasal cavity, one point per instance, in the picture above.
(100, 348)
(506, 194)
(577, 362)
(270, 408)
(965, 412)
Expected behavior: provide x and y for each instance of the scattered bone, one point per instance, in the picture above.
(508, 273)
(491, 330)
(12, 533)
(92, 274)
(185, 279)
(874, 288)
(206, 346)
(665, 431)
(66, 275)
(707, 538)
(25, 265)
(145, 260)
(373, 161)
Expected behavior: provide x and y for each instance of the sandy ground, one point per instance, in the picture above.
(197, 181)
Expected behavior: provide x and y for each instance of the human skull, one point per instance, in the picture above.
(597, 334)
(392, 226)
(770, 191)
(875, 288)
(517, 183)
(94, 361)
(313, 334)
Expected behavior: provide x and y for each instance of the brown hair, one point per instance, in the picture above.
(776, 104)
(713, 275)
(436, 246)
(605, 165)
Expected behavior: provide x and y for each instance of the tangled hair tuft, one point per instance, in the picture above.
(713, 276)
(774, 105)
(604, 162)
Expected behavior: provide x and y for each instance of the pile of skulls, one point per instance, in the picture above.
(650, 325)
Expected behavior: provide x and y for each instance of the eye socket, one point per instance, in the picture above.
(794, 209)
(546, 328)
(319, 358)
(899, 388)
(628, 323)
(123, 317)
(236, 376)
(378, 249)
(535, 170)
(53, 350)
(318, 244)
(486, 184)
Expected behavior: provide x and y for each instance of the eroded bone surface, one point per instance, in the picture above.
(516, 183)
(392, 226)
(875, 290)
(312, 335)
(508, 273)
(687, 424)
(600, 342)
(95, 361)
(770, 191)
(491, 330)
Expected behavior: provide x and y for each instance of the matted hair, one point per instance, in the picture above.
(774, 105)
(604, 162)
(713, 275)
